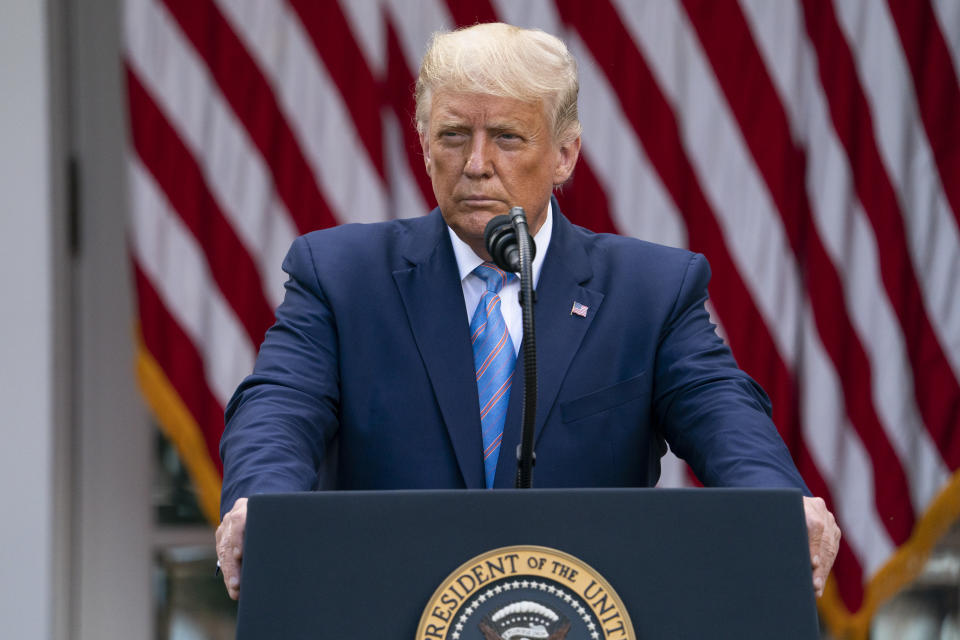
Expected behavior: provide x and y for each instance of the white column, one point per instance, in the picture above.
(112, 440)
(26, 325)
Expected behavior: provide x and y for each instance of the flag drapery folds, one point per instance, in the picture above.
(810, 149)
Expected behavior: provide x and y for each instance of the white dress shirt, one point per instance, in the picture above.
(474, 286)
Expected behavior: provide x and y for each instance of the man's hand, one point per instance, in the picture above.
(824, 536)
(230, 545)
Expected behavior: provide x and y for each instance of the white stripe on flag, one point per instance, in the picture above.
(313, 107)
(415, 22)
(840, 456)
(725, 170)
(640, 204)
(233, 170)
(365, 18)
(673, 472)
(848, 238)
(406, 201)
(948, 15)
(932, 233)
(176, 266)
(764, 258)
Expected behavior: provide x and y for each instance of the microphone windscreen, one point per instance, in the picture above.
(500, 239)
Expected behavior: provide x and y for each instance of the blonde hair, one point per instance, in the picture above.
(507, 61)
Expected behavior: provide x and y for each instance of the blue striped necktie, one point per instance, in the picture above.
(493, 359)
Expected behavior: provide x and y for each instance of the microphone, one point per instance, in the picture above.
(512, 249)
(500, 237)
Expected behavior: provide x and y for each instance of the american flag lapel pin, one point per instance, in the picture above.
(579, 309)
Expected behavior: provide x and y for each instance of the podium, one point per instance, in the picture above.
(654, 563)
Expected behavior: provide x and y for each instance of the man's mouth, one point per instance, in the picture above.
(479, 201)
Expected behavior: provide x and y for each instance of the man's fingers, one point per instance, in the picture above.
(231, 577)
(230, 546)
(230, 567)
(829, 540)
(819, 580)
(824, 540)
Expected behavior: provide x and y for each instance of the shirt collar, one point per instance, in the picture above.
(467, 260)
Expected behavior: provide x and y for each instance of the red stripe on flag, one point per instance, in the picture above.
(849, 576)
(935, 82)
(398, 92)
(846, 568)
(331, 36)
(465, 14)
(937, 392)
(252, 99)
(656, 127)
(177, 173)
(743, 77)
(742, 74)
(655, 124)
(584, 201)
(180, 361)
(692, 476)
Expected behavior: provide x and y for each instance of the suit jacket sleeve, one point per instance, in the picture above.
(712, 413)
(282, 418)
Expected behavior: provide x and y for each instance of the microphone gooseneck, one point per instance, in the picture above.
(511, 248)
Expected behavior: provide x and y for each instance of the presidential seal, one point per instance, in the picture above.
(525, 593)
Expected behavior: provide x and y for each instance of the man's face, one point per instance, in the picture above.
(486, 154)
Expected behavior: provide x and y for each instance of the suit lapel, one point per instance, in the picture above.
(433, 299)
(559, 334)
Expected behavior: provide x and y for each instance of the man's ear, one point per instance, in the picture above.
(425, 147)
(569, 152)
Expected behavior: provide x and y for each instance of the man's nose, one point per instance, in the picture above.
(479, 161)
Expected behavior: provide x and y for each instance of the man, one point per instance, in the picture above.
(392, 358)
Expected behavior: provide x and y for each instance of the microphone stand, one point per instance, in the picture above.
(526, 457)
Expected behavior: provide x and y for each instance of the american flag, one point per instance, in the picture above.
(811, 149)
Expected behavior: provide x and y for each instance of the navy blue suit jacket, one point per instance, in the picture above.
(366, 380)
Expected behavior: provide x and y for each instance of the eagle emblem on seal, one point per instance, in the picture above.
(524, 620)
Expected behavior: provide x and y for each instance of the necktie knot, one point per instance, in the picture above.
(493, 276)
